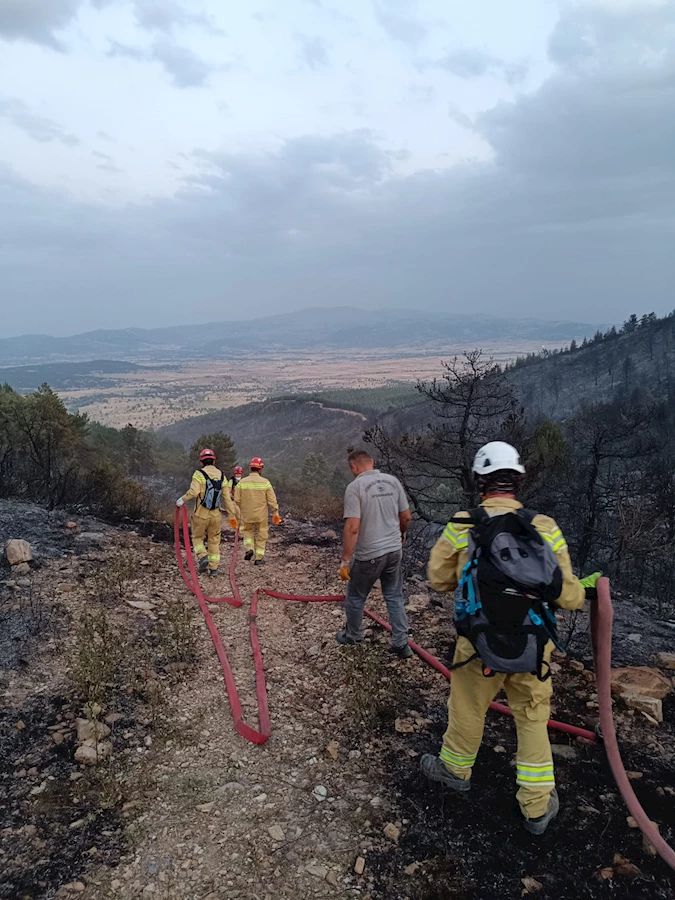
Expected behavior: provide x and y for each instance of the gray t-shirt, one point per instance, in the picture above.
(376, 499)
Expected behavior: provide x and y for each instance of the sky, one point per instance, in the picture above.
(185, 161)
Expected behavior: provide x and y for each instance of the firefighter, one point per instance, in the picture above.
(207, 489)
(253, 496)
(499, 475)
(237, 475)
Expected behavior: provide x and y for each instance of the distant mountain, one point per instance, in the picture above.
(335, 328)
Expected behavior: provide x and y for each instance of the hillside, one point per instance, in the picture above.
(309, 329)
(66, 376)
(283, 432)
(334, 803)
(642, 356)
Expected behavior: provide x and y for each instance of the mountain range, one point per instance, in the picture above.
(335, 328)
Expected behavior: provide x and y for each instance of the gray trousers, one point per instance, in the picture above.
(362, 577)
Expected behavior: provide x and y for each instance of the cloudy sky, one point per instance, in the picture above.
(173, 161)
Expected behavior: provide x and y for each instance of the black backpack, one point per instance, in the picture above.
(213, 492)
(508, 586)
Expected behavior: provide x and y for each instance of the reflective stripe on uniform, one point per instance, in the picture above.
(200, 549)
(461, 762)
(535, 773)
(214, 557)
(555, 540)
(253, 486)
(458, 538)
(249, 542)
(198, 476)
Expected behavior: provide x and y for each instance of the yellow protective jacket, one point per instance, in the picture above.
(253, 496)
(451, 553)
(198, 489)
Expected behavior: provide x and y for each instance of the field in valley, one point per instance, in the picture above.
(152, 399)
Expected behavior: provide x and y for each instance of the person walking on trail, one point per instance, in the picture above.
(237, 475)
(513, 568)
(253, 497)
(377, 517)
(207, 489)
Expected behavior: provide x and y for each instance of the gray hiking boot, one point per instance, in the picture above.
(203, 564)
(433, 768)
(213, 573)
(343, 638)
(540, 824)
(403, 652)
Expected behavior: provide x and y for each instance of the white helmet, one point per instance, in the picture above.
(495, 456)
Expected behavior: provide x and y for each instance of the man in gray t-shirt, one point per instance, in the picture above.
(377, 517)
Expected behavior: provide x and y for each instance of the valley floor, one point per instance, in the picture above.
(185, 808)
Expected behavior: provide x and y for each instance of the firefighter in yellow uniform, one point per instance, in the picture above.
(500, 474)
(253, 497)
(209, 489)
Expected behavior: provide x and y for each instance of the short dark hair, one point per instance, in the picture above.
(359, 456)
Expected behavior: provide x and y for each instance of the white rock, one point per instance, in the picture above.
(276, 832)
(320, 792)
(18, 551)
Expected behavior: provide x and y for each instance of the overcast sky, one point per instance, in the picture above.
(171, 161)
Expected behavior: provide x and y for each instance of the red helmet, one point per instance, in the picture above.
(256, 463)
(238, 470)
(207, 454)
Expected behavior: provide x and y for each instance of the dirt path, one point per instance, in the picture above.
(187, 809)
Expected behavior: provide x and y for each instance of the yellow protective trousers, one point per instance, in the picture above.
(530, 700)
(255, 535)
(207, 522)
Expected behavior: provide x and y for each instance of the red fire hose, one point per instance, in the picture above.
(601, 625)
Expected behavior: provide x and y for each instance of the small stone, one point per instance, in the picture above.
(206, 807)
(630, 821)
(576, 665)
(412, 868)
(88, 729)
(113, 717)
(564, 751)
(634, 776)
(665, 660)
(391, 832)
(276, 832)
(499, 749)
(317, 871)
(228, 787)
(332, 877)
(66, 587)
(404, 726)
(314, 650)
(320, 793)
(20, 725)
(91, 756)
(376, 801)
(359, 865)
(648, 705)
(329, 535)
(530, 885)
(354, 754)
(29, 830)
(71, 526)
(145, 562)
(634, 638)
(332, 750)
(116, 884)
(58, 737)
(21, 569)
(76, 887)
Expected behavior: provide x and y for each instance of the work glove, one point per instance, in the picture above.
(589, 583)
(233, 523)
(180, 502)
(276, 519)
(344, 572)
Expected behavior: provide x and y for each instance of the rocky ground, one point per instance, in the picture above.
(103, 652)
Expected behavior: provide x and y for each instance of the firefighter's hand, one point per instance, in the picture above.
(233, 523)
(344, 572)
(276, 519)
(180, 502)
(589, 583)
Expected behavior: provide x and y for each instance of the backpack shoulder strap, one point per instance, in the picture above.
(526, 514)
(472, 517)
